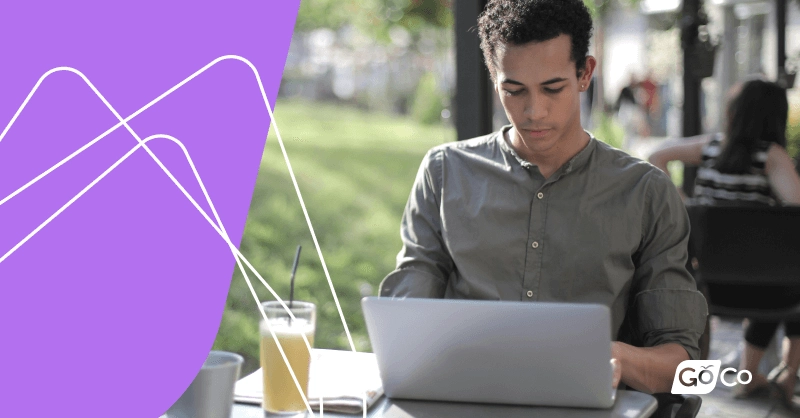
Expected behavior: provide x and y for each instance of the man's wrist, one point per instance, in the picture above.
(648, 369)
(618, 353)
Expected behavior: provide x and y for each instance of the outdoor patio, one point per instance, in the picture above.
(726, 335)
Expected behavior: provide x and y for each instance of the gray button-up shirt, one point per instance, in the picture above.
(482, 223)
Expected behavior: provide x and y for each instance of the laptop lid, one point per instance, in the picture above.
(527, 353)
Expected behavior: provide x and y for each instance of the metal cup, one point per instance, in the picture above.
(211, 393)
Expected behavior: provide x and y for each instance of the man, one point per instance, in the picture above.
(542, 211)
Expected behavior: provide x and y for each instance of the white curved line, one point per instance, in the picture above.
(124, 122)
(236, 253)
(142, 143)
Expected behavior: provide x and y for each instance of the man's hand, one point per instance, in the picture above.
(616, 373)
(648, 369)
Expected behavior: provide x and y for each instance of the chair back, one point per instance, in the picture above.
(746, 245)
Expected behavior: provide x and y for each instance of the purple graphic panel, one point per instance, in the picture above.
(111, 307)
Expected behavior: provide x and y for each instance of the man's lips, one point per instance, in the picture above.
(536, 132)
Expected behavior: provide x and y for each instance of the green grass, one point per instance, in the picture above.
(355, 170)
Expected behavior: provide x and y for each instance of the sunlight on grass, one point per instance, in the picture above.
(355, 170)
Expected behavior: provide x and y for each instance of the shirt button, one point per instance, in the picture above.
(540, 195)
(535, 244)
(530, 293)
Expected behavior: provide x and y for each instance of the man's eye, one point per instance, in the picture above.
(553, 91)
(513, 92)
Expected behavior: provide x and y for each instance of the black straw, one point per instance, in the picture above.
(294, 270)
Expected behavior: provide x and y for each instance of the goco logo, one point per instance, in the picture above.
(698, 377)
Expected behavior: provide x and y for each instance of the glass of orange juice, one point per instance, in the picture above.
(281, 394)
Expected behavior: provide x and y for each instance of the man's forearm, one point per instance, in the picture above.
(649, 369)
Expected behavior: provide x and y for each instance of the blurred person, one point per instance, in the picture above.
(629, 111)
(752, 167)
(627, 94)
(650, 100)
(541, 210)
(748, 165)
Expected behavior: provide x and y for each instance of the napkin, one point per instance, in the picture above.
(342, 378)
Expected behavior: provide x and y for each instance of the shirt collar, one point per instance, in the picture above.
(574, 163)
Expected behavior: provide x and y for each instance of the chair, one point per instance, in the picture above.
(689, 405)
(740, 245)
(746, 246)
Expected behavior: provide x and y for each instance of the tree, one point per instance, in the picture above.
(374, 17)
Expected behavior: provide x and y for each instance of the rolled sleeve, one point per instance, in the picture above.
(671, 316)
(423, 264)
(666, 304)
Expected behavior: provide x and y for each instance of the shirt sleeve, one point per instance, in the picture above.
(423, 264)
(666, 306)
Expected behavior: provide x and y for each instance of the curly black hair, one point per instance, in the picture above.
(521, 21)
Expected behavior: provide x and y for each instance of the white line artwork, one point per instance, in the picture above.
(218, 226)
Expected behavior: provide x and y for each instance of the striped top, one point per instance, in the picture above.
(714, 188)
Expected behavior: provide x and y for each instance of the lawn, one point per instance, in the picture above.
(355, 170)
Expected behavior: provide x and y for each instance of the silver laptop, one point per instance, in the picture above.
(525, 353)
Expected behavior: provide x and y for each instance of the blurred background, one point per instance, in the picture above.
(370, 85)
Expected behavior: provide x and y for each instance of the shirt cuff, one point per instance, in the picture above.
(689, 340)
(671, 316)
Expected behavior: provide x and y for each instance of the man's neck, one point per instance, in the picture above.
(550, 160)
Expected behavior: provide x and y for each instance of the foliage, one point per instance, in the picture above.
(676, 172)
(428, 101)
(793, 132)
(432, 12)
(599, 8)
(355, 171)
(332, 14)
(374, 17)
(609, 130)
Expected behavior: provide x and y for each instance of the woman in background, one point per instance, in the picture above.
(749, 165)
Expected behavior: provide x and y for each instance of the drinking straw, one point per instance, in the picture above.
(291, 285)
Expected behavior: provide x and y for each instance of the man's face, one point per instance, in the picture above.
(539, 89)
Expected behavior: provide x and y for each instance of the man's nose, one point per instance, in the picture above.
(536, 108)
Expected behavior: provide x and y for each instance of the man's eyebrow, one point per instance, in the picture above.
(510, 81)
(554, 80)
(548, 82)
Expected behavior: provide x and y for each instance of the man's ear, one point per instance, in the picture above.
(588, 70)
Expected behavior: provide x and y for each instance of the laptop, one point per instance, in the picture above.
(523, 353)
